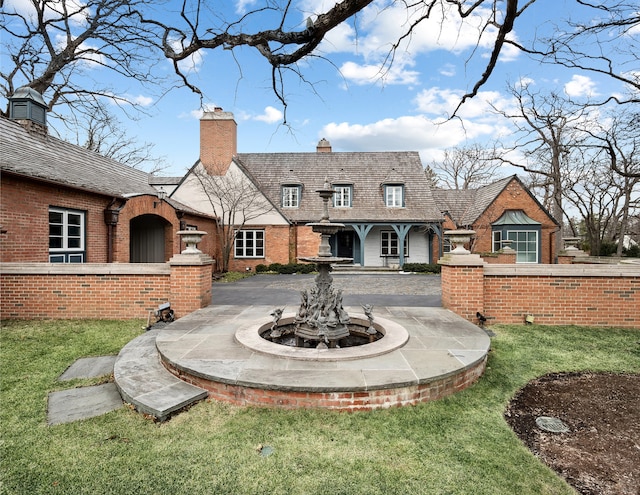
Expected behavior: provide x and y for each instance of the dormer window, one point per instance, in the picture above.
(343, 195)
(394, 195)
(291, 196)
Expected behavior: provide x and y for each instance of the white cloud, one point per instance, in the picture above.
(380, 25)
(443, 102)
(368, 74)
(271, 115)
(447, 70)
(141, 100)
(76, 11)
(580, 86)
(416, 133)
(241, 5)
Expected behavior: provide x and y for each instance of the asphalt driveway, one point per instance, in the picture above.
(379, 289)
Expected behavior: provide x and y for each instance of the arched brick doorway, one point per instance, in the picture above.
(149, 239)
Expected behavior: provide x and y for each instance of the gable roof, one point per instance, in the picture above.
(465, 206)
(53, 160)
(366, 171)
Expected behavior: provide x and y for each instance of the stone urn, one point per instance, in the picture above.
(458, 239)
(191, 238)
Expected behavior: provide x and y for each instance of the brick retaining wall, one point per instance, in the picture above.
(598, 295)
(102, 290)
(359, 400)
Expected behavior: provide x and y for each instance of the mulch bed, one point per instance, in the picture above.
(600, 455)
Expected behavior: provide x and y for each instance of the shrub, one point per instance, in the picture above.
(421, 267)
(287, 269)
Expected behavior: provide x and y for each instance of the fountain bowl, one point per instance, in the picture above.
(393, 337)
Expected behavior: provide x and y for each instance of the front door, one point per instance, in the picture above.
(344, 241)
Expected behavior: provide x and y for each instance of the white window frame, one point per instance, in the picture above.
(389, 241)
(496, 237)
(249, 243)
(290, 196)
(71, 233)
(394, 195)
(342, 198)
(523, 254)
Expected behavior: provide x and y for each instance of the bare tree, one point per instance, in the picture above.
(606, 44)
(284, 41)
(235, 200)
(104, 135)
(53, 45)
(617, 139)
(546, 135)
(467, 167)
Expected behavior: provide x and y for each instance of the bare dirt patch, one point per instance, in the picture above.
(600, 455)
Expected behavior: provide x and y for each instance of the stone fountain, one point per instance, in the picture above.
(320, 356)
(321, 320)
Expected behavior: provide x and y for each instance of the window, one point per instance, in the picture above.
(249, 244)
(66, 236)
(497, 241)
(290, 196)
(526, 245)
(446, 245)
(342, 196)
(393, 196)
(389, 244)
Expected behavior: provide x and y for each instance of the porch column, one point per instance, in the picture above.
(362, 231)
(401, 231)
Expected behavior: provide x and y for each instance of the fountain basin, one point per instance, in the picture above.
(394, 336)
(444, 354)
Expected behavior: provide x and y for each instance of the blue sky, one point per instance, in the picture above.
(350, 100)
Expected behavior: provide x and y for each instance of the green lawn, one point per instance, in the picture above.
(459, 445)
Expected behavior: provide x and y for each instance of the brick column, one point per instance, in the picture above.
(463, 284)
(190, 287)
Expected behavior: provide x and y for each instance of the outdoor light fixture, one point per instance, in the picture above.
(162, 194)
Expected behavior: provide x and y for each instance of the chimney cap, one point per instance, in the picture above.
(217, 114)
(28, 93)
(323, 146)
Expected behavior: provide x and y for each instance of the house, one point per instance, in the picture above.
(62, 203)
(502, 213)
(383, 200)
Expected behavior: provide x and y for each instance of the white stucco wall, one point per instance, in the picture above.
(418, 248)
(191, 193)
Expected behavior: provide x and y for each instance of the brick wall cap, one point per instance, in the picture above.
(565, 270)
(195, 259)
(462, 260)
(85, 268)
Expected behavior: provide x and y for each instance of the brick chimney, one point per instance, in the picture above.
(324, 146)
(218, 140)
(27, 107)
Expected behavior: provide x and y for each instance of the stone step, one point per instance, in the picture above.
(143, 382)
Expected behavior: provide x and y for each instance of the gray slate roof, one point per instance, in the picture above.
(466, 205)
(366, 171)
(53, 160)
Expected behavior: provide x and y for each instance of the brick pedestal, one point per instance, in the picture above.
(190, 282)
(463, 284)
